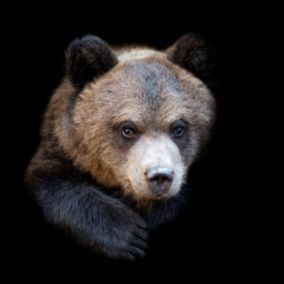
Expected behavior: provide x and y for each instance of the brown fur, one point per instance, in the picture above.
(83, 131)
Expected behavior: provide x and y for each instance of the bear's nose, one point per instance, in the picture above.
(159, 179)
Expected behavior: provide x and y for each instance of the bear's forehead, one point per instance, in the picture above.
(149, 92)
(150, 77)
(149, 82)
(147, 86)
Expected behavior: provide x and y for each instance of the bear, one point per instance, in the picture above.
(118, 139)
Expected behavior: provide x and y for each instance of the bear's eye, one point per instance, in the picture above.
(128, 131)
(178, 129)
(178, 132)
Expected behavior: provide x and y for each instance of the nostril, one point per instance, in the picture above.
(159, 171)
(160, 183)
(160, 179)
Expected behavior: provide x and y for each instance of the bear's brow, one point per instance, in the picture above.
(151, 87)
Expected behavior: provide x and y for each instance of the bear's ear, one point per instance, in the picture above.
(193, 53)
(87, 58)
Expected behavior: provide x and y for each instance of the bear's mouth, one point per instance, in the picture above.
(149, 195)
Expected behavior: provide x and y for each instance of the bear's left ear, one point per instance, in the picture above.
(87, 58)
(193, 53)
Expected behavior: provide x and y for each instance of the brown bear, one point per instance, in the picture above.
(118, 139)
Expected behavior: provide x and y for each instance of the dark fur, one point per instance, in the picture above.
(88, 58)
(108, 223)
(195, 54)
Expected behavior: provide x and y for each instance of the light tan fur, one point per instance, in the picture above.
(136, 53)
(150, 151)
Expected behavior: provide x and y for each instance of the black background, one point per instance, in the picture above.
(219, 235)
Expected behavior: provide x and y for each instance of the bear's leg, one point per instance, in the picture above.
(96, 219)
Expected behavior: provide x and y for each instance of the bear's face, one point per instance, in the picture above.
(140, 125)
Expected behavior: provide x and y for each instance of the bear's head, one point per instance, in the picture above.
(136, 118)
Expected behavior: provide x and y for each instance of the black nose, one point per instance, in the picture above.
(160, 179)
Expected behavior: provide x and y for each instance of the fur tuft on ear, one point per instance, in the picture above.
(88, 58)
(193, 53)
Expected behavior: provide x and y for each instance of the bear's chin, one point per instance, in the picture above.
(151, 197)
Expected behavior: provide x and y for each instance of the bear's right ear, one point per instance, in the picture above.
(87, 58)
